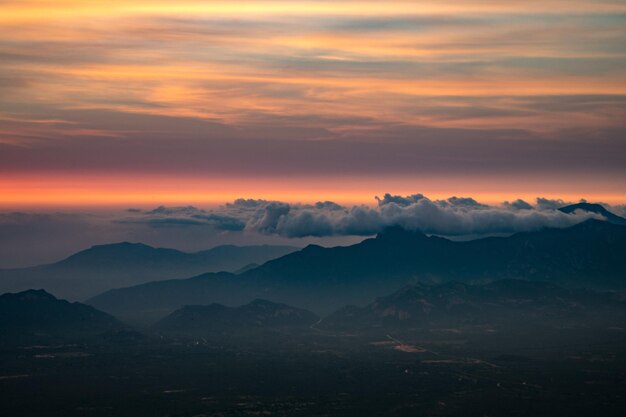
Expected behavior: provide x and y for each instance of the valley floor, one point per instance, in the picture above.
(446, 372)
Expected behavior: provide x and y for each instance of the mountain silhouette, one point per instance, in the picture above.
(589, 254)
(503, 301)
(217, 318)
(35, 316)
(594, 208)
(103, 267)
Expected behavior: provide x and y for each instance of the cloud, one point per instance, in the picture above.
(246, 204)
(357, 221)
(441, 218)
(163, 216)
(163, 210)
(267, 219)
(518, 204)
(204, 148)
(549, 204)
(620, 210)
(328, 205)
(455, 216)
(399, 200)
(305, 223)
(465, 202)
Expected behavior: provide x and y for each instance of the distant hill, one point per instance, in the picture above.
(590, 254)
(594, 208)
(35, 316)
(217, 318)
(454, 303)
(103, 267)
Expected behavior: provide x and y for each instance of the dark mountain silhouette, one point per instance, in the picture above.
(35, 316)
(503, 301)
(217, 318)
(103, 267)
(590, 254)
(594, 208)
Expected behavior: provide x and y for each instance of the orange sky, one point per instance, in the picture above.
(151, 102)
(147, 192)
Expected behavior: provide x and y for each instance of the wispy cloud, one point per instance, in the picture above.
(224, 60)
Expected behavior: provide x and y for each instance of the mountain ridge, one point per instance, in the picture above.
(455, 303)
(37, 316)
(214, 318)
(322, 279)
(102, 267)
(594, 208)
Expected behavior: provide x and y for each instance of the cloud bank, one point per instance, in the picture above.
(33, 238)
(455, 216)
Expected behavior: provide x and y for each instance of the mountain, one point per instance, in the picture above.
(500, 302)
(246, 268)
(216, 318)
(103, 267)
(589, 254)
(35, 316)
(594, 208)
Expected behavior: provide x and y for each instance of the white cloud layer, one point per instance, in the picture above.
(31, 238)
(455, 216)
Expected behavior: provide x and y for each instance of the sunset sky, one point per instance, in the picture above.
(141, 103)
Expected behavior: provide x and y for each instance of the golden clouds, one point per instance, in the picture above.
(227, 60)
(362, 71)
(41, 9)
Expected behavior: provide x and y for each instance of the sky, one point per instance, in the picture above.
(143, 103)
(107, 106)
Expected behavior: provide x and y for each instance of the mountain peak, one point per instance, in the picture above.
(36, 315)
(31, 295)
(110, 248)
(594, 208)
(121, 245)
(119, 254)
(312, 247)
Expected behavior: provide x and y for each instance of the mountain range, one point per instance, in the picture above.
(502, 302)
(103, 267)
(589, 254)
(35, 317)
